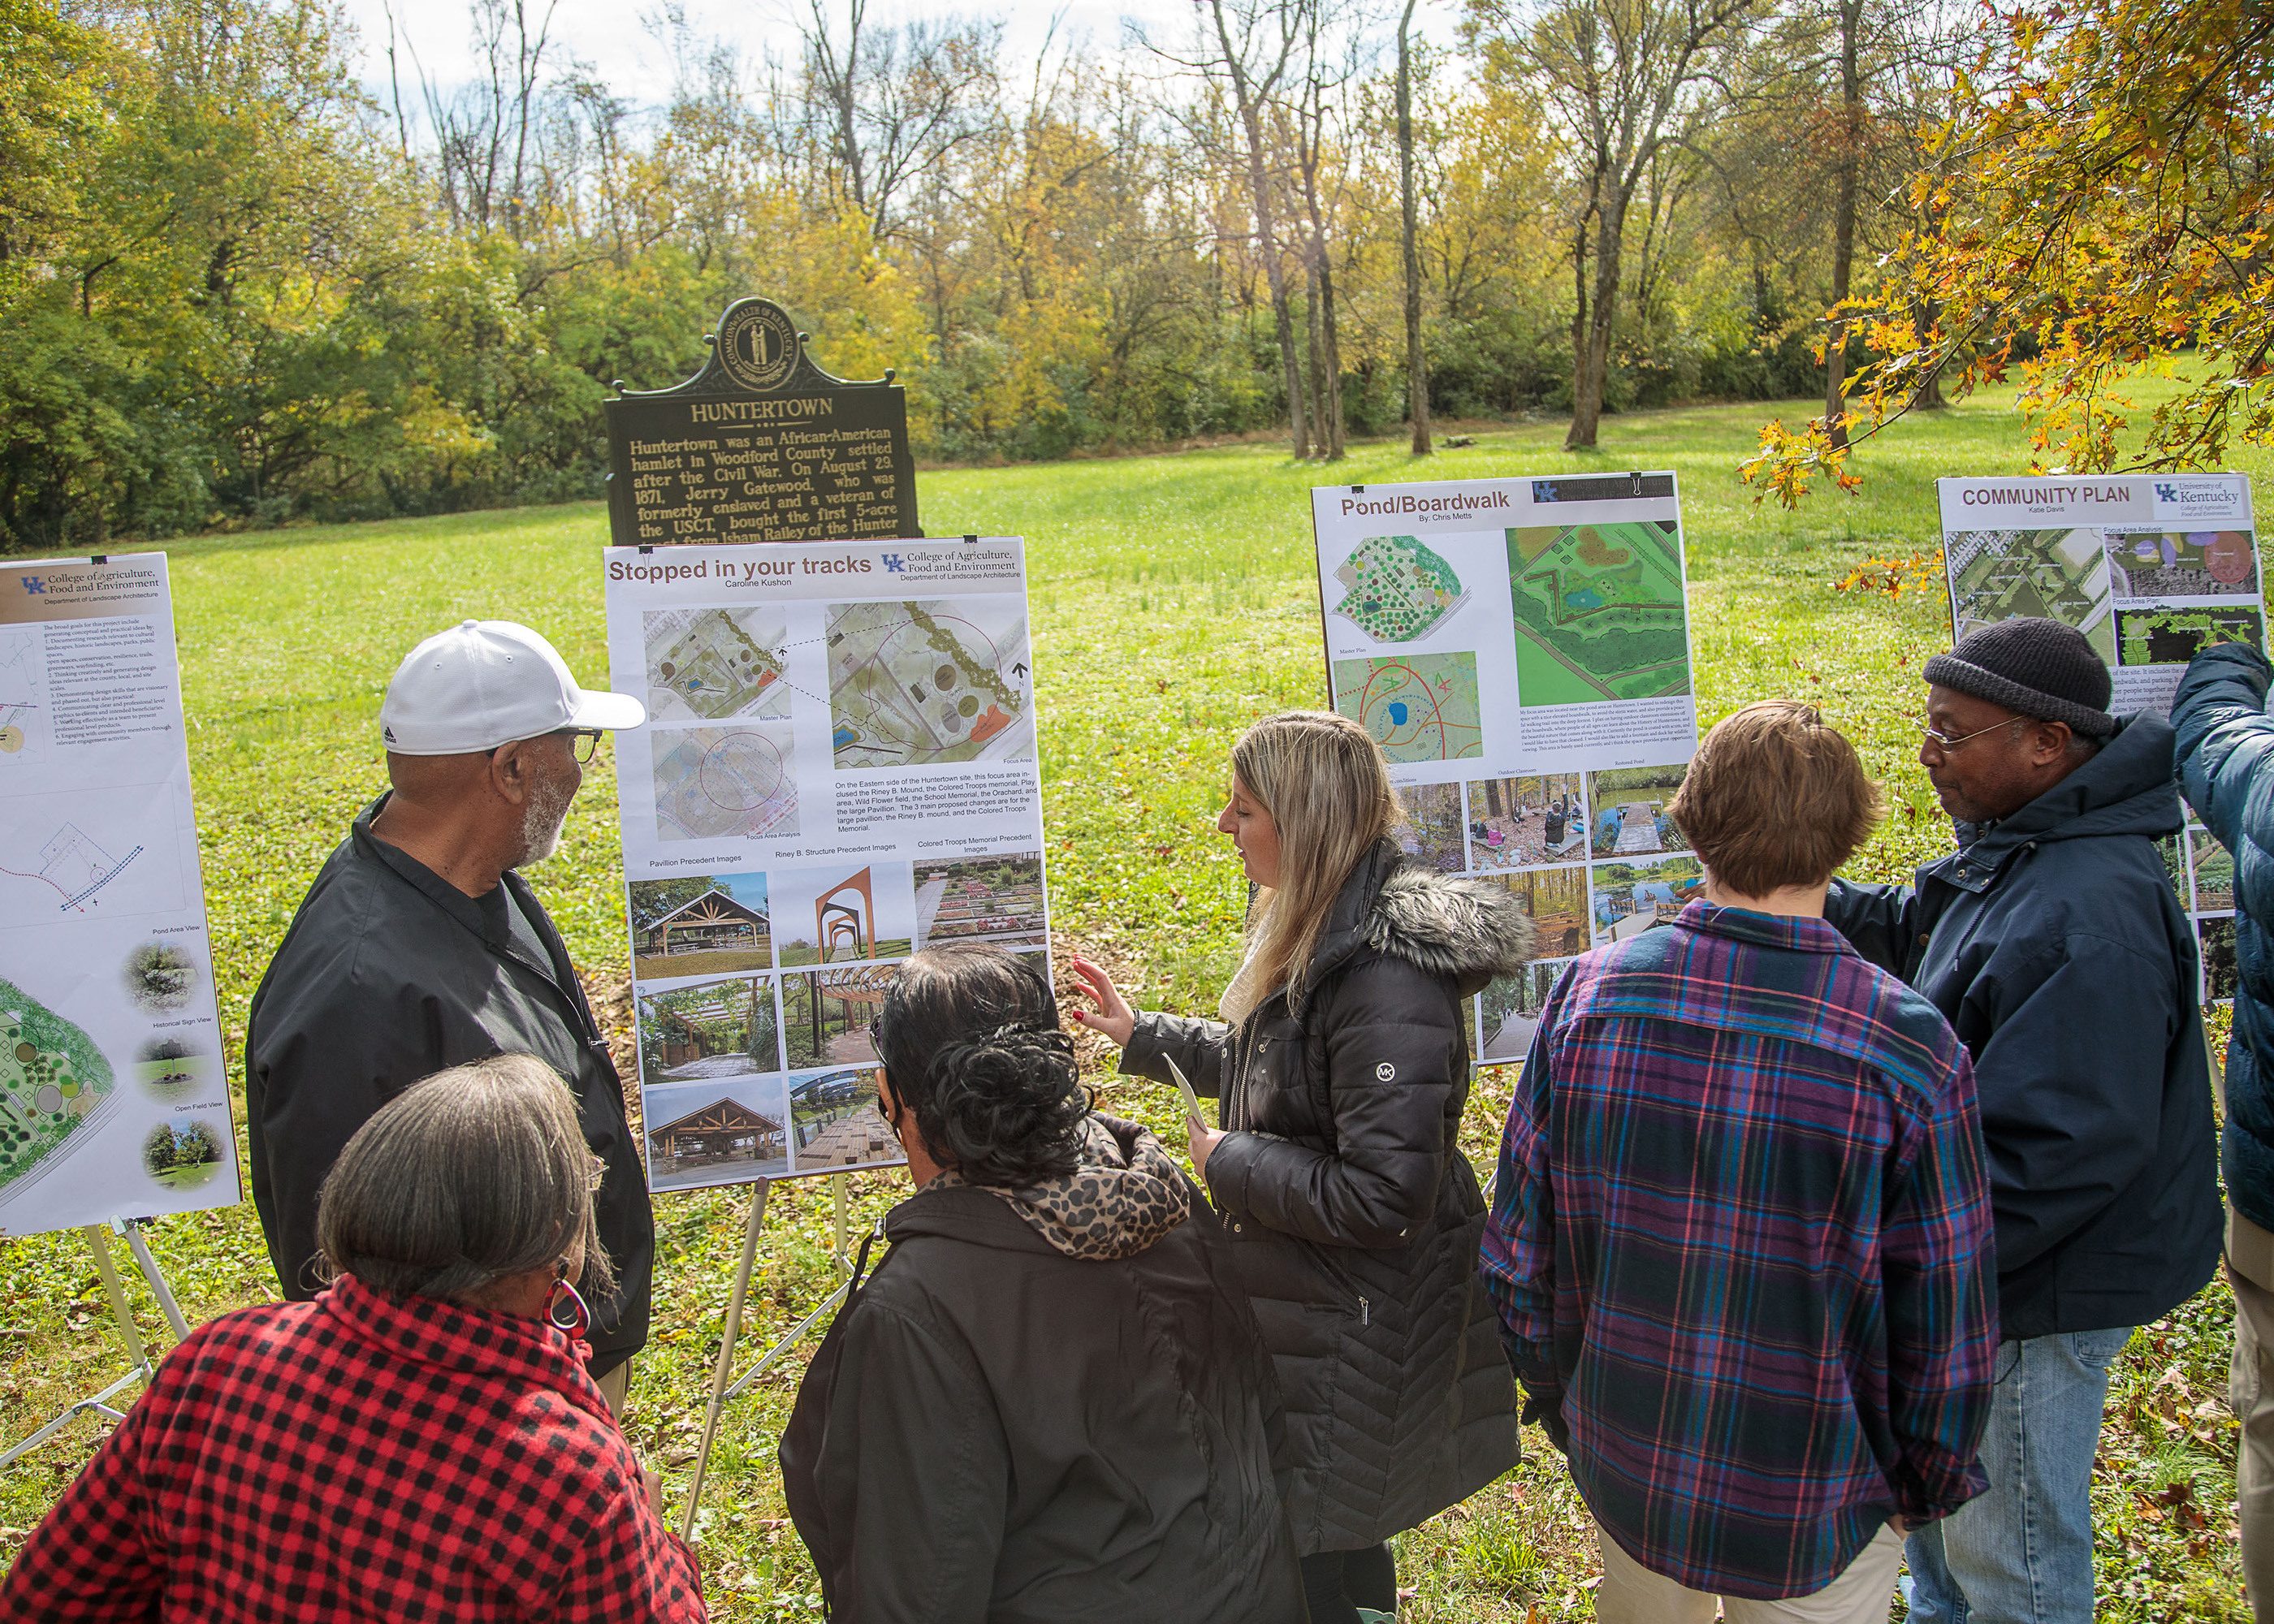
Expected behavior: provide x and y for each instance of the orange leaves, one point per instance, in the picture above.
(1919, 573)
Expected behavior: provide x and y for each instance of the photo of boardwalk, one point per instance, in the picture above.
(1633, 897)
(837, 1122)
(1630, 818)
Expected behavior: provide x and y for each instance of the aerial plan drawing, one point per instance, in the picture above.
(2059, 574)
(708, 664)
(1418, 708)
(1399, 590)
(2156, 564)
(2168, 635)
(52, 1079)
(916, 684)
(1600, 613)
(711, 782)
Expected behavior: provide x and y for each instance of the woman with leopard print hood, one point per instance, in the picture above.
(1050, 1402)
(1342, 1066)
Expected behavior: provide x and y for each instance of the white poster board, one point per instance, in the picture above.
(114, 1101)
(1520, 649)
(838, 768)
(2148, 567)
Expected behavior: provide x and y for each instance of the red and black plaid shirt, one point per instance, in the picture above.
(355, 1457)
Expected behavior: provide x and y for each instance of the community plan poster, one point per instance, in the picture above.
(1520, 650)
(838, 770)
(2149, 568)
(113, 1100)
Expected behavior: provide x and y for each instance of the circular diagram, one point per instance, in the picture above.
(736, 775)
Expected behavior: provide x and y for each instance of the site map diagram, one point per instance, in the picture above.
(1417, 707)
(52, 1078)
(2158, 564)
(709, 664)
(1399, 590)
(917, 684)
(2173, 637)
(2059, 575)
(713, 782)
(16, 701)
(1599, 613)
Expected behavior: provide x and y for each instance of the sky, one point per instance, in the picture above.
(628, 49)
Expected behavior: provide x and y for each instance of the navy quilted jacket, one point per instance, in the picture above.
(2226, 772)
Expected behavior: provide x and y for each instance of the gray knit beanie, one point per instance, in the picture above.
(2035, 667)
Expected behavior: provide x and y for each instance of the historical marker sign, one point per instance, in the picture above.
(761, 445)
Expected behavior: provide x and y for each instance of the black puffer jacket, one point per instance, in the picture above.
(1354, 1216)
(997, 1430)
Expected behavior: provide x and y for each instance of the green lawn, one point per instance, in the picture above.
(1174, 602)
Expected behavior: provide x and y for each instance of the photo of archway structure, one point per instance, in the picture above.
(706, 925)
(837, 1124)
(998, 901)
(710, 1030)
(825, 1014)
(834, 916)
(1520, 822)
(716, 1135)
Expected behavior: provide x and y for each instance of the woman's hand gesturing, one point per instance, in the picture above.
(1113, 1016)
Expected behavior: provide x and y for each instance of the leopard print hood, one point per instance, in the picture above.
(1126, 1195)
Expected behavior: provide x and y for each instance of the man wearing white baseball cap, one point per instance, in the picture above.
(420, 946)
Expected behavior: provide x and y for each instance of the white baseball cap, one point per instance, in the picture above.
(485, 683)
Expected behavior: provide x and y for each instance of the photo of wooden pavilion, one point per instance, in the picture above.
(714, 933)
(724, 1130)
(700, 1135)
(711, 1029)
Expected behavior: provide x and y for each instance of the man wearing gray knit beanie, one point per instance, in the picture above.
(2053, 943)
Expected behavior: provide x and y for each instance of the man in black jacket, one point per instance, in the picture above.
(420, 947)
(2052, 942)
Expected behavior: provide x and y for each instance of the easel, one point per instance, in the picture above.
(723, 1390)
(105, 1264)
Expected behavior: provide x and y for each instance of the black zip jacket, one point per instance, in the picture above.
(389, 974)
(1355, 1218)
(2053, 943)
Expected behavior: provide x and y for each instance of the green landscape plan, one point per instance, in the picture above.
(1599, 613)
(1398, 589)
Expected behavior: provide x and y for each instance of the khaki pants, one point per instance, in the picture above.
(615, 1387)
(2250, 1390)
(1631, 1594)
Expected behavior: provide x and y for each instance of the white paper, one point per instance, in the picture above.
(1520, 649)
(2148, 567)
(113, 1096)
(838, 770)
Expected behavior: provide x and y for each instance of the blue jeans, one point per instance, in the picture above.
(2022, 1553)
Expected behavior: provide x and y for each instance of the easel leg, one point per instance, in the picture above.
(725, 1366)
(155, 1278)
(837, 1218)
(106, 1265)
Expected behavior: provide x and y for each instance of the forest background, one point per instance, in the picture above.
(238, 287)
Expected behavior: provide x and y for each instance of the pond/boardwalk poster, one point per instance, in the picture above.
(1520, 650)
(838, 770)
(113, 1103)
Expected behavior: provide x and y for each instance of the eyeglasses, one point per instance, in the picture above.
(596, 1173)
(1945, 745)
(582, 742)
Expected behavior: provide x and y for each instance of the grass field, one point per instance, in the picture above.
(1173, 601)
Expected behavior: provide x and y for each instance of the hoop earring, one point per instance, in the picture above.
(580, 1318)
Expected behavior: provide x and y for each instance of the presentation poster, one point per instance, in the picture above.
(2149, 568)
(1520, 649)
(113, 1098)
(838, 770)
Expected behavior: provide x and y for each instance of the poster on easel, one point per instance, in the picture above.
(2149, 568)
(114, 1101)
(1520, 650)
(838, 770)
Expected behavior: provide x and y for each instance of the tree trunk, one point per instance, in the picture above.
(1259, 185)
(1595, 364)
(1417, 364)
(1843, 218)
(1316, 342)
(1331, 409)
(1580, 306)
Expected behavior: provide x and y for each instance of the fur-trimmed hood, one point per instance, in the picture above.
(1467, 931)
(1470, 931)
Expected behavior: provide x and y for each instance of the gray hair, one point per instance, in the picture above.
(469, 1176)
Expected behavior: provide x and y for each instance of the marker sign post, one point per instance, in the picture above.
(760, 445)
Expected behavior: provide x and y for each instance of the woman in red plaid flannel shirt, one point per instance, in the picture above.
(419, 1442)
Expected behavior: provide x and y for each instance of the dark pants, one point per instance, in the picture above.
(1336, 1584)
